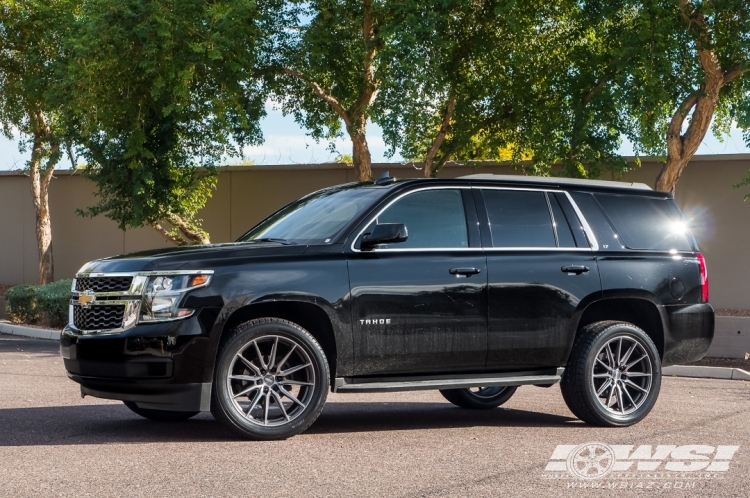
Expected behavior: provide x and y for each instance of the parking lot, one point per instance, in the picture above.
(53, 443)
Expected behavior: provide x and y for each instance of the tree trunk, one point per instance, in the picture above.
(670, 173)
(361, 157)
(40, 181)
(440, 138)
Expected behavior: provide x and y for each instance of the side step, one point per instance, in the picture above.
(393, 384)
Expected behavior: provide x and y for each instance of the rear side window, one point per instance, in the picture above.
(433, 218)
(645, 222)
(519, 218)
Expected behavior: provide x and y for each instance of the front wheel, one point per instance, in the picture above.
(160, 415)
(479, 398)
(271, 380)
(613, 375)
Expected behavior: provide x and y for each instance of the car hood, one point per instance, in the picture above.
(190, 257)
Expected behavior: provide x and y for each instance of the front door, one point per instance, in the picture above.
(420, 306)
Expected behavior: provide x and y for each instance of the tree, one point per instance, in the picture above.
(30, 51)
(156, 93)
(490, 80)
(677, 68)
(326, 69)
(448, 61)
(715, 86)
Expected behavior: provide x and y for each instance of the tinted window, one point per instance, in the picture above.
(519, 218)
(594, 215)
(317, 217)
(564, 235)
(645, 222)
(433, 218)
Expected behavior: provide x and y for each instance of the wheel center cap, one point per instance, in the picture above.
(268, 380)
(617, 375)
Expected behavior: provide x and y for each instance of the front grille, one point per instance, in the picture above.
(103, 284)
(102, 317)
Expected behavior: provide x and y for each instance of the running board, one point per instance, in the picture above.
(381, 385)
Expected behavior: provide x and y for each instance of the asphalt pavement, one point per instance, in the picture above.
(54, 443)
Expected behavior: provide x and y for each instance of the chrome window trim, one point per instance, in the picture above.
(594, 245)
(415, 249)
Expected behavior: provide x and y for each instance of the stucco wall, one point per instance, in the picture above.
(245, 195)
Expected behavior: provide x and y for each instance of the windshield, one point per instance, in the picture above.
(315, 219)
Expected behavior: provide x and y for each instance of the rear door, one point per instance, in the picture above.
(541, 267)
(420, 306)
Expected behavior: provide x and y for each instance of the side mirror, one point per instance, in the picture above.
(387, 233)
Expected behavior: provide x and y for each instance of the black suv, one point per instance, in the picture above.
(473, 286)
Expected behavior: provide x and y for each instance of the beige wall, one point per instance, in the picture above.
(245, 195)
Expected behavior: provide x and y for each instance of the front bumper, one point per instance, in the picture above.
(158, 366)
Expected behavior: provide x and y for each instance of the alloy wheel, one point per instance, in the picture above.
(271, 380)
(622, 375)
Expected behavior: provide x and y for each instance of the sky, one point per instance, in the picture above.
(287, 143)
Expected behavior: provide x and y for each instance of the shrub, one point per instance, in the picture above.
(52, 301)
(20, 304)
(27, 303)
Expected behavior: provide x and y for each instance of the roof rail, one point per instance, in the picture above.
(557, 180)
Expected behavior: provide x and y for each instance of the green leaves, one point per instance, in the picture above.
(160, 91)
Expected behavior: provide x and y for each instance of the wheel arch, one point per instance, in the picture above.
(640, 311)
(309, 316)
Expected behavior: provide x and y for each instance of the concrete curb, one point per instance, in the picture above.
(673, 371)
(706, 372)
(19, 330)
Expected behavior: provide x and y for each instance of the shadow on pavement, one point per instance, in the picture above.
(107, 424)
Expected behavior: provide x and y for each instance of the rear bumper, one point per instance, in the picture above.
(690, 330)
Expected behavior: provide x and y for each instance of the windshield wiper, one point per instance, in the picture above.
(273, 239)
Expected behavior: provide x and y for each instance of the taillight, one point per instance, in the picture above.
(704, 278)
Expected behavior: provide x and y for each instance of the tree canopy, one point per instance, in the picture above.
(155, 95)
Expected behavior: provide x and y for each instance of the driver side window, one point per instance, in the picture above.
(434, 219)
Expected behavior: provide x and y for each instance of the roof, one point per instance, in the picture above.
(558, 181)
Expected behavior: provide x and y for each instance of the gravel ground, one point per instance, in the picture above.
(53, 443)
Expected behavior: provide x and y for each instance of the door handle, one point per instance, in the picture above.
(464, 271)
(577, 269)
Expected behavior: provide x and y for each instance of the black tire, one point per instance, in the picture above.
(587, 372)
(160, 415)
(253, 341)
(483, 399)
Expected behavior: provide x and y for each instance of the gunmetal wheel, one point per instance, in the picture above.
(622, 375)
(479, 398)
(271, 380)
(613, 375)
(159, 415)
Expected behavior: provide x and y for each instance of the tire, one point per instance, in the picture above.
(605, 383)
(259, 401)
(160, 415)
(484, 398)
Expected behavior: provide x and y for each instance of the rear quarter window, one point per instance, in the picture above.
(646, 223)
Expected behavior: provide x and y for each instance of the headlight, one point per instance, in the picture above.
(164, 292)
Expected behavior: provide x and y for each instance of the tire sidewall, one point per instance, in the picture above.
(320, 391)
(623, 330)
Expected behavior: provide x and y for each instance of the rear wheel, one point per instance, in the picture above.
(271, 380)
(613, 376)
(160, 415)
(479, 398)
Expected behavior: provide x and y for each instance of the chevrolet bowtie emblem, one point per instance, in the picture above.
(86, 298)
